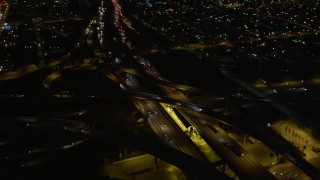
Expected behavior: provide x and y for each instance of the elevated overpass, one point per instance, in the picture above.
(177, 158)
(267, 135)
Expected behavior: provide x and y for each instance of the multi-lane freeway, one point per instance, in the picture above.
(112, 38)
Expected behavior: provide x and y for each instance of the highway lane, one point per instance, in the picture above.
(181, 160)
(245, 166)
(25, 151)
(168, 131)
(171, 93)
(291, 171)
(288, 171)
(158, 120)
(216, 106)
(161, 123)
(259, 171)
(161, 116)
(270, 137)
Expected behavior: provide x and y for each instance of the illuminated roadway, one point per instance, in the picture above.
(258, 172)
(272, 139)
(244, 166)
(167, 131)
(288, 170)
(161, 123)
(164, 152)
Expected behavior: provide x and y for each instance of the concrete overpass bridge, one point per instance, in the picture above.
(181, 160)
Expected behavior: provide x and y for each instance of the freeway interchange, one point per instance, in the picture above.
(113, 39)
(237, 163)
